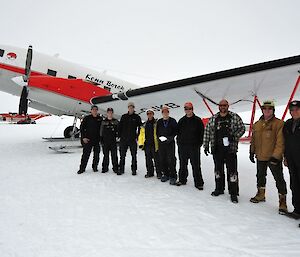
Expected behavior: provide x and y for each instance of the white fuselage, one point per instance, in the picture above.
(12, 63)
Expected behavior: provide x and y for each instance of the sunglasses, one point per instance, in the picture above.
(223, 105)
(267, 108)
(188, 108)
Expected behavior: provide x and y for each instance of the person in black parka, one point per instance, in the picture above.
(128, 131)
(166, 131)
(291, 133)
(90, 134)
(190, 131)
(108, 139)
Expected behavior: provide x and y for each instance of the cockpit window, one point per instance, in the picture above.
(1, 52)
(52, 72)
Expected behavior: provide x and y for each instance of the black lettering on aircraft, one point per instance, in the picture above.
(90, 78)
(112, 85)
(158, 108)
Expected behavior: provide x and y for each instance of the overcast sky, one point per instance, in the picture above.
(153, 41)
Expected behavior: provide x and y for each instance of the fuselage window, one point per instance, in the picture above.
(71, 77)
(1, 52)
(52, 72)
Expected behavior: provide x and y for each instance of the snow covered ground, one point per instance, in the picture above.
(47, 210)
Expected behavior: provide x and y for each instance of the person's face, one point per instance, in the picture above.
(130, 109)
(295, 113)
(150, 115)
(223, 106)
(165, 114)
(188, 110)
(268, 111)
(109, 114)
(94, 111)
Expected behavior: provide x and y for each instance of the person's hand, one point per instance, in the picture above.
(206, 151)
(85, 140)
(162, 139)
(285, 163)
(274, 161)
(251, 157)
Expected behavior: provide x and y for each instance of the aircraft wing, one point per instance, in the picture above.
(273, 80)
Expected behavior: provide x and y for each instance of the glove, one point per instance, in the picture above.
(206, 151)
(141, 147)
(162, 139)
(274, 161)
(251, 157)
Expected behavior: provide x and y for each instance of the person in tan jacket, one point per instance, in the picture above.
(267, 145)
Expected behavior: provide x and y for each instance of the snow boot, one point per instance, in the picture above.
(234, 198)
(173, 181)
(180, 183)
(200, 187)
(134, 173)
(282, 204)
(217, 192)
(149, 175)
(260, 195)
(80, 171)
(164, 178)
(293, 215)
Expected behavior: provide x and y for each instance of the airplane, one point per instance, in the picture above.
(56, 86)
(13, 117)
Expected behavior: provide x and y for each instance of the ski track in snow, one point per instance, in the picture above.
(47, 210)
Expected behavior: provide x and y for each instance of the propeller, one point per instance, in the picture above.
(23, 104)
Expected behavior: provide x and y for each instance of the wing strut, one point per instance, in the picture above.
(291, 97)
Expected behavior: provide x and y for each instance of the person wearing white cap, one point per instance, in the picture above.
(291, 132)
(148, 142)
(128, 132)
(166, 132)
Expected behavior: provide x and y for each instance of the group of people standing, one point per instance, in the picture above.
(273, 142)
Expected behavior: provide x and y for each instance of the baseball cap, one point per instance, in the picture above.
(165, 108)
(268, 103)
(189, 105)
(150, 110)
(131, 104)
(295, 103)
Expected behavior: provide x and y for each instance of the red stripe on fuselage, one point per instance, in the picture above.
(72, 88)
(18, 69)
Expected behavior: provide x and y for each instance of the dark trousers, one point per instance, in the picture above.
(87, 149)
(277, 173)
(294, 168)
(150, 155)
(123, 150)
(222, 157)
(192, 153)
(112, 148)
(168, 159)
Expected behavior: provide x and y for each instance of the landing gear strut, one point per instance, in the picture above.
(72, 131)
